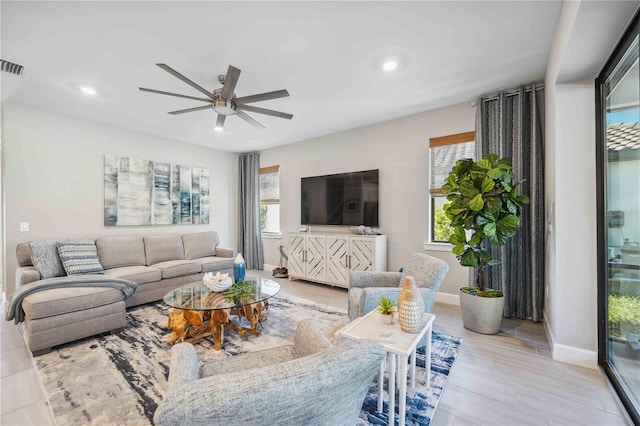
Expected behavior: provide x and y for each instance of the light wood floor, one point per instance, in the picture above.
(507, 379)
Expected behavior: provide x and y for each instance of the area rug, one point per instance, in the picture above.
(120, 378)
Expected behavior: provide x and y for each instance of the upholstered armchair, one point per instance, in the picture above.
(310, 382)
(366, 288)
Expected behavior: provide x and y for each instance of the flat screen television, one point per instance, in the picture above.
(349, 199)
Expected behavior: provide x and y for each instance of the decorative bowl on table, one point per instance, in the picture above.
(364, 230)
(218, 282)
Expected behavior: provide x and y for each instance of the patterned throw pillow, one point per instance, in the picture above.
(80, 257)
(45, 258)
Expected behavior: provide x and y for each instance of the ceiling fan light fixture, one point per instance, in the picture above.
(218, 128)
(390, 65)
(224, 107)
(223, 100)
(87, 90)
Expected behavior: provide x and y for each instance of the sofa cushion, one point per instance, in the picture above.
(160, 248)
(178, 268)
(201, 244)
(23, 255)
(214, 263)
(46, 259)
(80, 257)
(137, 274)
(115, 252)
(58, 301)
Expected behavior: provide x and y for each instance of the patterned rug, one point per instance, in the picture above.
(120, 378)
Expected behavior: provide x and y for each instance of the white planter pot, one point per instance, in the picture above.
(481, 314)
(386, 319)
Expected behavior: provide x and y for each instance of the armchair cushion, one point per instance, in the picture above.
(308, 340)
(368, 299)
(428, 271)
(366, 288)
(362, 279)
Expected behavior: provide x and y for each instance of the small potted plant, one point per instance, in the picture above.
(240, 290)
(483, 206)
(387, 308)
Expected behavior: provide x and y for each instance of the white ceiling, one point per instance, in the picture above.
(327, 54)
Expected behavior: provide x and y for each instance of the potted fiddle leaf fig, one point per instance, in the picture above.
(483, 205)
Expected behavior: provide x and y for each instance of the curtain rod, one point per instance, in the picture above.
(511, 92)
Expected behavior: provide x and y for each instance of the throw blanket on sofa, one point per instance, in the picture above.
(14, 307)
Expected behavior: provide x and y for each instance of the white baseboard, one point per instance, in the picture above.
(570, 354)
(448, 298)
(267, 267)
(576, 356)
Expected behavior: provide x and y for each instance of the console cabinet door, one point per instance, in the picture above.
(296, 262)
(362, 253)
(338, 260)
(316, 249)
(328, 258)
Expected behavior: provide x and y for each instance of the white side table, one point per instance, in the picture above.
(399, 345)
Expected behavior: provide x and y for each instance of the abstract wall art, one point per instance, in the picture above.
(142, 192)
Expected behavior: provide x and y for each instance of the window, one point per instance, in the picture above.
(270, 199)
(444, 151)
(618, 203)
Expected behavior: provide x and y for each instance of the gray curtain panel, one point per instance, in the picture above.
(249, 235)
(512, 125)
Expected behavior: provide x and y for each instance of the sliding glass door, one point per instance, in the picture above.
(618, 88)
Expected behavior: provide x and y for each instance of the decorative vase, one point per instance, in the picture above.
(239, 268)
(410, 306)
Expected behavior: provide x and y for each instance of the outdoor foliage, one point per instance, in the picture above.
(624, 314)
(483, 199)
(442, 229)
(263, 216)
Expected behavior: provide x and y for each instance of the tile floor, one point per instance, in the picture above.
(506, 379)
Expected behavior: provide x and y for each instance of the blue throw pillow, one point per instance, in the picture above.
(45, 258)
(80, 257)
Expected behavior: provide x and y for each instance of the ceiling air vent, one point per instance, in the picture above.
(11, 67)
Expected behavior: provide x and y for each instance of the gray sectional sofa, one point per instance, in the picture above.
(68, 308)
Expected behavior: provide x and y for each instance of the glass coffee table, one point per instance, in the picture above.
(199, 312)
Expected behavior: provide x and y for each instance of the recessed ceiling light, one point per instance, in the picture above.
(390, 65)
(217, 129)
(88, 90)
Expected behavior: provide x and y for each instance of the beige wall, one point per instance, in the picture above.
(53, 179)
(399, 149)
(570, 311)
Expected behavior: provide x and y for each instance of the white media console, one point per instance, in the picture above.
(329, 258)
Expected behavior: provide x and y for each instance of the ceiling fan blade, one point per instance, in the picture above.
(220, 121)
(160, 92)
(251, 108)
(175, 73)
(230, 82)
(248, 119)
(262, 97)
(182, 111)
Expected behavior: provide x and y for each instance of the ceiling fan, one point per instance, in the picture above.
(223, 100)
